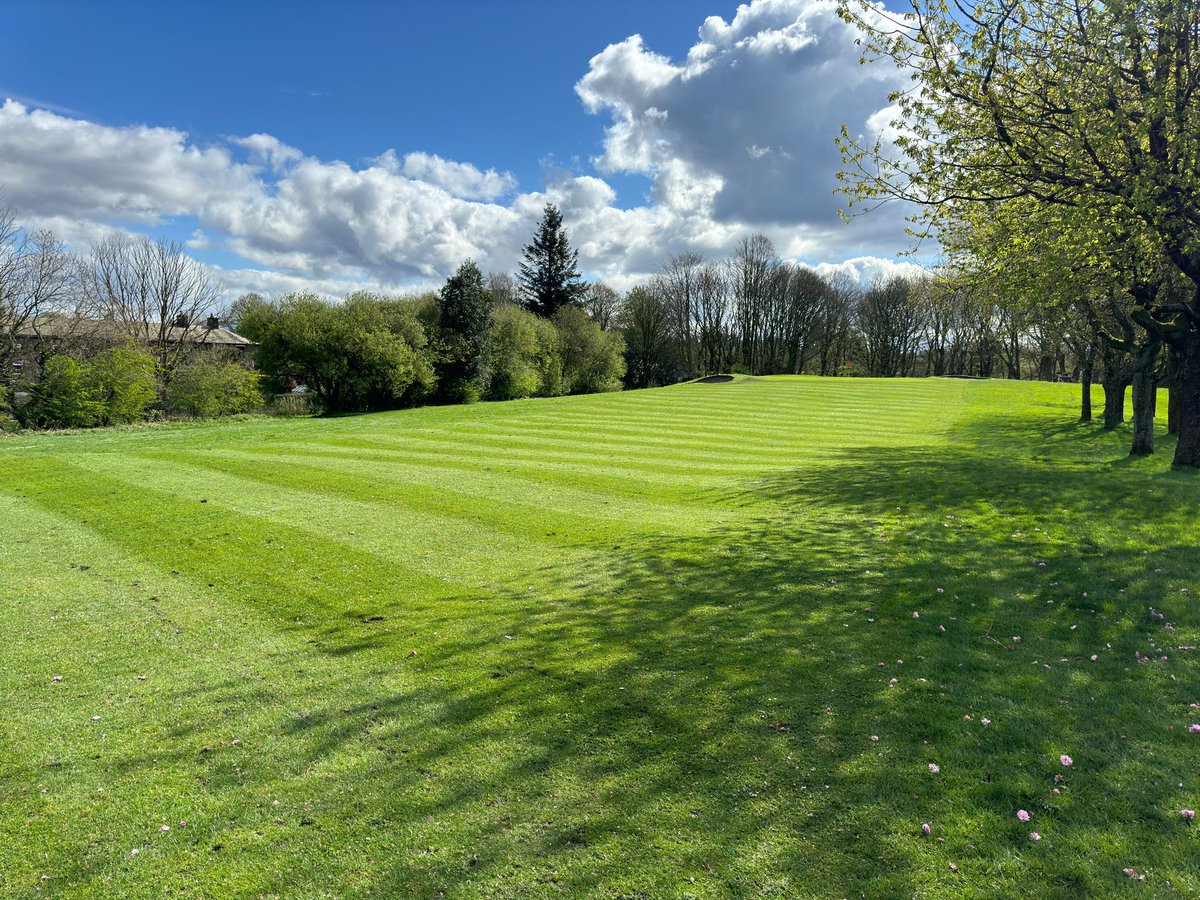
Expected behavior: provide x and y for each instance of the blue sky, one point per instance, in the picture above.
(595, 106)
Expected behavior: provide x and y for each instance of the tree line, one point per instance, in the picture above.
(1053, 148)
(758, 314)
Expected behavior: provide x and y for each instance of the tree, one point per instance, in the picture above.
(646, 323)
(156, 292)
(1064, 102)
(364, 353)
(465, 315)
(593, 359)
(891, 315)
(549, 274)
(39, 282)
(602, 304)
(522, 356)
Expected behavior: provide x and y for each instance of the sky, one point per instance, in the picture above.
(336, 146)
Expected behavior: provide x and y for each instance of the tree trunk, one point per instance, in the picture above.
(1172, 409)
(1145, 397)
(1085, 403)
(1187, 387)
(1114, 400)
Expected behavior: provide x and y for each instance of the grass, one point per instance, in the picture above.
(627, 645)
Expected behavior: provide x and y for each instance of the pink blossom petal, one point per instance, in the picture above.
(1023, 815)
(1067, 761)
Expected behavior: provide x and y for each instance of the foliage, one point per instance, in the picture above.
(368, 352)
(549, 273)
(602, 646)
(593, 359)
(465, 315)
(65, 397)
(522, 358)
(125, 381)
(1090, 107)
(251, 316)
(8, 422)
(209, 387)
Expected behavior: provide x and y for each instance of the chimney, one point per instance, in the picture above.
(213, 323)
(182, 322)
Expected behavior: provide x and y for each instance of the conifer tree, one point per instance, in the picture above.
(549, 273)
(465, 308)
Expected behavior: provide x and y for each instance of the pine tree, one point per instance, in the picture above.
(549, 274)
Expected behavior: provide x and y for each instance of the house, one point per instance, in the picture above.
(44, 336)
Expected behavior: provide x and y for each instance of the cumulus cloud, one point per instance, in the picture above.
(747, 120)
(863, 270)
(736, 137)
(456, 178)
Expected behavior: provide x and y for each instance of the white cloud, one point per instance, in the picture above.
(752, 111)
(458, 179)
(862, 270)
(736, 137)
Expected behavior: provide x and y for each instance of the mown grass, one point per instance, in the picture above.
(626, 645)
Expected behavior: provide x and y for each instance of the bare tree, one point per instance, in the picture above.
(503, 288)
(39, 286)
(678, 286)
(602, 304)
(157, 294)
(713, 315)
(749, 275)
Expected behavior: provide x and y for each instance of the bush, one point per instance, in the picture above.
(7, 421)
(593, 360)
(210, 387)
(63, 398)
(124, 381)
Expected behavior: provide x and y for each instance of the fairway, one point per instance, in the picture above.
(711, 640)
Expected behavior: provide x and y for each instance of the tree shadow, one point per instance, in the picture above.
(693, 715)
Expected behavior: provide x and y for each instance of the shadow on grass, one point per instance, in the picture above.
(695, 715)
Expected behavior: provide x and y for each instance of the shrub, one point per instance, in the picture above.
(7, 421)
(63, 398)
(123, 380)
(210, 387)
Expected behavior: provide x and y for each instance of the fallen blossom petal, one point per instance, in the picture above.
(1023, 815)
(934, 768)
(1188, 814)
(926, 829)
(1034, 836)
(1067, 761)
